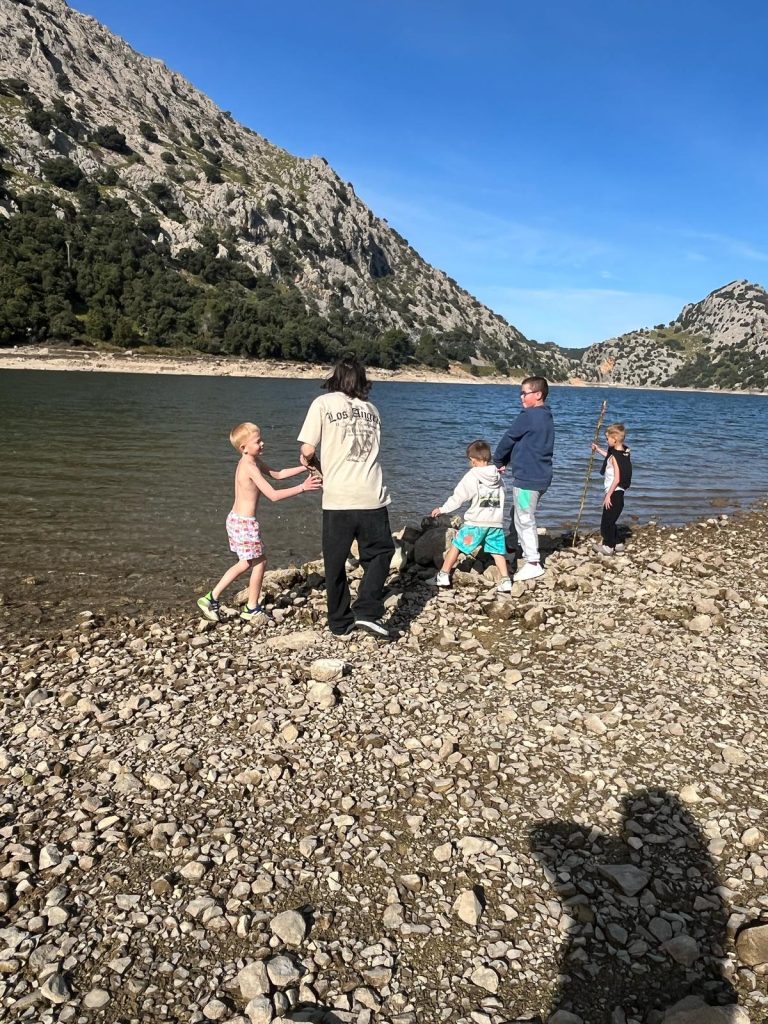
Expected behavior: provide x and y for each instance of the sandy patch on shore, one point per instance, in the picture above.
(37, 358)
(218, 366)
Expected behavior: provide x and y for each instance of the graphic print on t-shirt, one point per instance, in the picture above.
(489, 499)
(363, 436)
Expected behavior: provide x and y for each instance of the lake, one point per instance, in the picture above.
(115, 486)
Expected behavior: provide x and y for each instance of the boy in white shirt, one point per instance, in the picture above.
(484, 519)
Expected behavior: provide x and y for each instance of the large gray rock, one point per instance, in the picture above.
(626, 877)
(693, 1010)
(253, 980)
(290, 927)
(752, 945)
(283, 972)
(432, 545)
(56, 989)
(327, 670)
(683, 949)
(260, 1010)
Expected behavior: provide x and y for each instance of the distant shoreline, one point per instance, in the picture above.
(205, 365)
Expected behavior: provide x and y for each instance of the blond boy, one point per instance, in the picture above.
(242, 527)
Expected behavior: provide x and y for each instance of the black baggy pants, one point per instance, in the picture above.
(370, 527)
(610, 518)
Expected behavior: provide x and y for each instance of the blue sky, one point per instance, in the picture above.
(582, 168)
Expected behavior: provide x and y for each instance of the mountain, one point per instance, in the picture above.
(250, 248)
(721, 341)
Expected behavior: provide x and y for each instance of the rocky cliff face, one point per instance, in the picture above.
(635, 359)
(193, 166)
(732, 317)
(721, 341)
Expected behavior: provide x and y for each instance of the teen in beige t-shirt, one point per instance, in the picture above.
(350, 431)
(347, 429)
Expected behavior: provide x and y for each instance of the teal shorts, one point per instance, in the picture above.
(470, 537)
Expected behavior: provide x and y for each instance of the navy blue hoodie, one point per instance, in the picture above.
(528, 445)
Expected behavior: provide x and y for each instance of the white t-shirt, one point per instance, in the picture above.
(348, 433)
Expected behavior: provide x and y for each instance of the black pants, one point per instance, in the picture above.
(370, 527)
(611, 517)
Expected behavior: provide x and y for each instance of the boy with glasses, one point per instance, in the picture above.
(527, 447)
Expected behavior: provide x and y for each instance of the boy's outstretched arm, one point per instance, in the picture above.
(284, 474)
(464, 492)
(597, 448)
(312, 483)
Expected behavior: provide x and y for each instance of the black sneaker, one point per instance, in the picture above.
(374, 627)
(350, 629)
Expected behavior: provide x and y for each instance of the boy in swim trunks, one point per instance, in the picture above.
(483, 520)
(242, 528)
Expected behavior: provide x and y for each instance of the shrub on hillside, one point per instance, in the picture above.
(108, 137)
(62, 172)
(148, 131)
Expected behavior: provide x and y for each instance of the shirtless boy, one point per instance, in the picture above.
(242, 528)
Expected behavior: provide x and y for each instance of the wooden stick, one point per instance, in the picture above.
(599, 424)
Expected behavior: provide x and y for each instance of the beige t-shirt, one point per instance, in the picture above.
(348, 433)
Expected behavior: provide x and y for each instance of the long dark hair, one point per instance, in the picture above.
(349, 377)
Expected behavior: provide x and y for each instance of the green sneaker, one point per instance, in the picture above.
(209, 606)
(259, 613)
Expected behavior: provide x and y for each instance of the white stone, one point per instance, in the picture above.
(468, 907)
(290, 927)
(253, 980)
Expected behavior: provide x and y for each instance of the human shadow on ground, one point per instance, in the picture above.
(415, 593)
(317, 1014)
(644, 927)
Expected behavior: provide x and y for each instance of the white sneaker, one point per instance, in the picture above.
(619, 548)
(442, 579)
(505, 586)
(603, 549)
(530, 571)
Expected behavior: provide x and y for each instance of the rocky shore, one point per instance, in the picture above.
(202, 365)
(544, 806)
(158, 361)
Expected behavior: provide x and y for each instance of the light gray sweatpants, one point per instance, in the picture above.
(525, 504)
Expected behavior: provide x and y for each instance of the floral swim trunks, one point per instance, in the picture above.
(244, 536)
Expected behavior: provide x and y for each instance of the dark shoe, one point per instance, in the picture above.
(374, 627)
(344, 633)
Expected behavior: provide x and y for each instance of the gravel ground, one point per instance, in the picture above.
(549, 806)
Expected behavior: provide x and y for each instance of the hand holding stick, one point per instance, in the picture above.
(599, 424)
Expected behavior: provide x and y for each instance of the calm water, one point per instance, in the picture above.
(120, 483)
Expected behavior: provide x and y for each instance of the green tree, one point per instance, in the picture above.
(61, 171)
(108, 137)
